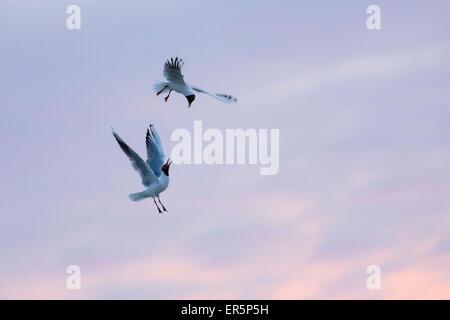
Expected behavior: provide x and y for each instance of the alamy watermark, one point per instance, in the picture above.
(373, 22)
(374, 280)
(74, 280)
(234, 146)
(73, 22)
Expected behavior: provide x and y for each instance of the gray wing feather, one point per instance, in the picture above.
(155, 153)
(219, 96)
(172, 70)
(137, 162)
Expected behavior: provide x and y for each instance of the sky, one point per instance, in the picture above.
(364, 176)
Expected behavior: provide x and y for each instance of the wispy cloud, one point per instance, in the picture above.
(376, 66)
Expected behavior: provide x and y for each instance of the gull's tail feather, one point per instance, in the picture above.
(137, 196)
(158, 87)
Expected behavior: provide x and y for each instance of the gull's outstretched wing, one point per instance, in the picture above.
(155, 153)
(172, 70)
(138, 164)
(219, 96)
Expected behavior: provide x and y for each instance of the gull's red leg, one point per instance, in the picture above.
(159, 92)
(162, 205)
(159, 210)
(165, 99)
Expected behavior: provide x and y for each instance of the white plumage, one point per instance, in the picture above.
(153, 172)
(175, 82)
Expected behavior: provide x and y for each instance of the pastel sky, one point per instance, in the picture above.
(364, 173)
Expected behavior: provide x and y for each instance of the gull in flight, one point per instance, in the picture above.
(175, 81)
(154, 172)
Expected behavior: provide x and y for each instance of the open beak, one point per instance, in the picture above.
(168, 163)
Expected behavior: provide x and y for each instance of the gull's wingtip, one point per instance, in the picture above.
(115, 134)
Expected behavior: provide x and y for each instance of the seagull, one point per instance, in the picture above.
(175, 81)
(154, 172)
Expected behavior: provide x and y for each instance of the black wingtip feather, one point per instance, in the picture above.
(227, 96)
(122, 144)
(150, 131)
(176, 63)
